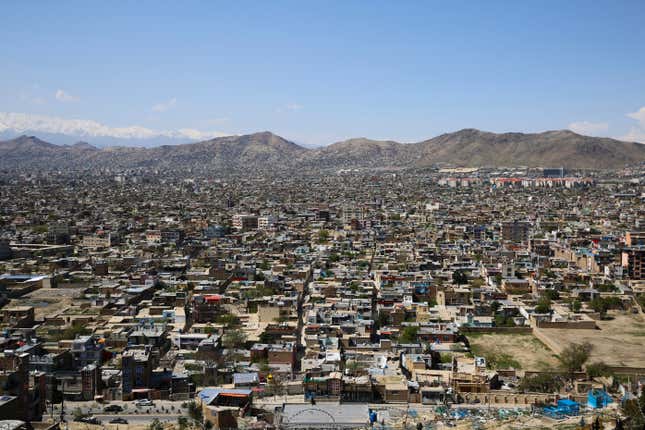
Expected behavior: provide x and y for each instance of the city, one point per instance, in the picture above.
(322, 215)
(400, 298)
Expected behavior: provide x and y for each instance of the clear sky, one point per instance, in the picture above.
(318, 72)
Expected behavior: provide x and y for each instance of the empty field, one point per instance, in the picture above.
(521, 351)
(618, 342)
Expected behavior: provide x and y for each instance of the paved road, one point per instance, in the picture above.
(164, 410)
(139, 418)
(159, 406)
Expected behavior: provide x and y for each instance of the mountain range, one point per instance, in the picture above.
(267, 151)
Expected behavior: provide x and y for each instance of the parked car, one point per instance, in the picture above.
(88, 420)
(144, 402)
(119, 421)
(113, 408)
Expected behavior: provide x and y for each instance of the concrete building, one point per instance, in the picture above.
(136, 368)
(245, 222)
(516, 231)
(633, 259)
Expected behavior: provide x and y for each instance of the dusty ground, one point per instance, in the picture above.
(48, 301)
(510, 349)
(619, 342)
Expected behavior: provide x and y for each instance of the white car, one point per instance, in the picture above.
(144, 402)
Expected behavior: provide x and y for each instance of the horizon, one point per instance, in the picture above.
(388, 72)
(304, 146)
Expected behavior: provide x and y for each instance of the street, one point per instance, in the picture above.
(164, 410)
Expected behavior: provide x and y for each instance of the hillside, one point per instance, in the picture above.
(266, 151)
(472, 147)
(362, 152)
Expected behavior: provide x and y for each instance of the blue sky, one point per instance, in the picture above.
(318, 72)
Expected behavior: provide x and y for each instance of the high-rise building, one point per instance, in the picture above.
(266, 221)
(245, 222)
(634, 260)
(515, 231)
(136, 370)
(353, 213)
(635, 238)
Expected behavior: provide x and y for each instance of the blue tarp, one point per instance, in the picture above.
(598, 399)
(565, 407)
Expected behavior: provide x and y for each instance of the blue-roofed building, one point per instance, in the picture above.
(597, 399)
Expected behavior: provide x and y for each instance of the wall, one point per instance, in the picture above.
(504, 397)
(518, 330)
(582, 325)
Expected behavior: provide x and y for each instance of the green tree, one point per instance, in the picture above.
(235, 338)
(276, 386)
(477, 283)
(495, 306)
(576, 306)
(502, 320)
(383, 319)
(228, 320)
(541, 383)
(603, 304)
(323, 236)
(498, 279)
(574, 356)
(409, 335)
(354, 366)
(599, 305)
(459, 277)
(155, 425)
(266, 337)
(195, 412)
(543, 305)
(263, 365)
(552, 294)
(634, 411)
(182, 422)
(599, 368)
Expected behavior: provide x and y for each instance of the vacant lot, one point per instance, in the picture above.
(521, 351)
(619, 342)
(48, 301)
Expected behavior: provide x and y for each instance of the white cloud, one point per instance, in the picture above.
(636, 133)
(65, 97)
(639, 116)
(291, 107)
(21, 122)
(588, 128)
(164, 106)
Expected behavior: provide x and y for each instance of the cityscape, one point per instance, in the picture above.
(164, 277)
